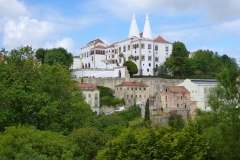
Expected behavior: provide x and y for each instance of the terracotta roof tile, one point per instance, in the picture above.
(87, 86)
(194, 52)
(177, 89)
(76, 56)
(160, 39)
(129, 83)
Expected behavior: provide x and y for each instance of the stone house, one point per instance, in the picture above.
(176, 98)
(130, 91)
(91, 94)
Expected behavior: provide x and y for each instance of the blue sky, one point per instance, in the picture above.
(199, 24)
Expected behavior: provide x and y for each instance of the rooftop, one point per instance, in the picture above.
(129, 83)
(95, 41)
(87, 86)
(177, 89)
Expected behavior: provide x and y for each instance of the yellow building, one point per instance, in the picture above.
(91, 94)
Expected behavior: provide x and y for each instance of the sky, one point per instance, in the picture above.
(199, 24)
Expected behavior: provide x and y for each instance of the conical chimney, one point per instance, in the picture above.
(147, 32)
(133, 28)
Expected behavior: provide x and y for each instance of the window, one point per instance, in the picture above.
(92, 58)
(128, 47)
(142, 46)
(131, 96)
(166, 53)
(117, 88)
(124, 48)
(113, 56)
(144, 89)
(156, 59)
(149, 46)
(181, 97)
(136, 96)
(127, 96)
(156, 48)
(132, 88)
(89, 95)
(139, 88)
(147, 69)
(127, 88)
(143, 58)
(166, 90)
(165, 98)
(149, 64)
(119, 49)
(166, 48)
(136, 88)
(149, 58)
(113, 51)
(177, 105)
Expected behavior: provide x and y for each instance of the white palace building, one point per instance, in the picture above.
(98, 59)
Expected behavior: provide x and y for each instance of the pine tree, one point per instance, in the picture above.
(147, 112)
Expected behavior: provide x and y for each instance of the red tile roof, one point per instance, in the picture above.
(177, 89)
(194, 52)
(160, 39)
(129, 83)
(98, 46)
(87, 86)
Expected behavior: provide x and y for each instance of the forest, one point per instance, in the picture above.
(43, 115)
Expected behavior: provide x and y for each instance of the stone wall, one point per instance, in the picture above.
(155, 84)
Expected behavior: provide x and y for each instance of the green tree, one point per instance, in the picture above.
(176, 121)
(88, 140)
(40, 95)
(162, 70)
(29, 143)
(147, 112)
(131, 66)
(221, 124)
(156, 143)
(50, 56)
(177, 62)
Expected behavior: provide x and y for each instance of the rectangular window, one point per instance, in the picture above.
(142, 46)
(143, 58)
(149, 46)
(112, 56)
(166, 48)
(124, 48)
(89, 95)
(156, 59)
(119, 49)
(165, 98)
(149, 58)
(128, 47)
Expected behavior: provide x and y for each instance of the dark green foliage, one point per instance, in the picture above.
(105, 91)
(110, 120)
(156, 143)
(108, 101)
(50, 56)
(178, 59)
(130, 114)
(131, 66)
(114, 130)
(40, 95)
(147, 112)
(162, 70)
(176, 121)
(30, 143)
(88, 141)
(222, 124)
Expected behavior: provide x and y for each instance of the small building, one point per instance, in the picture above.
(91, 94)
(133, 91)
(176, 98)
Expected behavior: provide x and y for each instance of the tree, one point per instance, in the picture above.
(88, 141)
(50, 56)
(156, 143)
(131, 66)
(177, 61)
(221, 124)
(147, 112)
(176, 121)
(40, 95)
(162, 70)
(29, 143)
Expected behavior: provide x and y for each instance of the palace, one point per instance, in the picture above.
(106, 60)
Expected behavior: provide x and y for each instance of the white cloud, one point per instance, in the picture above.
(25, 31)
(66, 43)
(12, 9)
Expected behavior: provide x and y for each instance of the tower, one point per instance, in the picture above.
(147, 32)
(133, 28)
